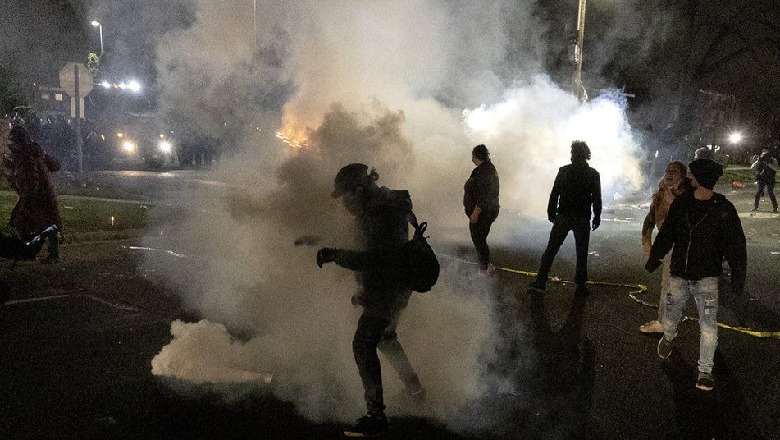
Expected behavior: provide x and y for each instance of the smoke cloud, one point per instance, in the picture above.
(407, 87)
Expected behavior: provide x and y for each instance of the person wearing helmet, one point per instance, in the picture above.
(382, 224)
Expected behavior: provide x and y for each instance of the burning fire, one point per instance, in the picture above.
(293, 140)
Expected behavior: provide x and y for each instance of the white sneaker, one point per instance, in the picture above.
(652, 327)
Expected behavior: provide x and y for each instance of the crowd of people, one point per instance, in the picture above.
(697, 230)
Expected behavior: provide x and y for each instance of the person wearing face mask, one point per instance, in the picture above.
(672, 185)
(480, 201)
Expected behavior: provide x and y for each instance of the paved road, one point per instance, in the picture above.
(77, 338)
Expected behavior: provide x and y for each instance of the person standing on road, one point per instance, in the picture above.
(765, 167)
(701, 229)
(382, 221)
(480, 200)
(36, 209)
(576, 191)
(672, 185)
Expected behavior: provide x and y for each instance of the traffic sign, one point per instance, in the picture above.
(68, 79)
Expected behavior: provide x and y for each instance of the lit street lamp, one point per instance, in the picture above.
(100, 29)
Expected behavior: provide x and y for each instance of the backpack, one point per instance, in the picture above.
(420, 265)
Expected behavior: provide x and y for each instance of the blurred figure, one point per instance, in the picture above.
(702, 229)
(703, 153)
(672, 185)
(765, 167)
(577, 190)
(480, 200)
(382, 220)
(28, 172)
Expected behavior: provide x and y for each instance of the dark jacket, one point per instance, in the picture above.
(481, 189)
(383, 227)
(28, 173)
(703, 233)
(577, 187)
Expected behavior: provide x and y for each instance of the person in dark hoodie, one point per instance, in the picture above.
(701, 229)
(382, 222)
(576, 191)
(480, 200)
(36, 210)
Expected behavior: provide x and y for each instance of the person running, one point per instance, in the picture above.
(480, 201)
(672, 185)
(382, 221)
(702, 229)
(575, 194)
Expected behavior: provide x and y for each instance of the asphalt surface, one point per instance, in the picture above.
(77, 338)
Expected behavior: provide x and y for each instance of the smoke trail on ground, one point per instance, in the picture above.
(358, 83)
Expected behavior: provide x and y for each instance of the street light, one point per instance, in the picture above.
(579, 90)
(100, 29)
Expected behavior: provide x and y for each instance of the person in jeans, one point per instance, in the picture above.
(765, 167)
(480, 201)
(672, 185)
(701, 229)
(381, 216)
(576, 191)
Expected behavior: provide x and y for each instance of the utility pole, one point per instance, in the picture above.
(578, 89)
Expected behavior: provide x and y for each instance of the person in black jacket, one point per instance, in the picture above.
(765, 167)
(480, 200)
(702, 228)
(383, 227)
(577, 190)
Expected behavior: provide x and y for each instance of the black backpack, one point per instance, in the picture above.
(420, 265)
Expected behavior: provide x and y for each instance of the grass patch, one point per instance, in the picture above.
(84, 216)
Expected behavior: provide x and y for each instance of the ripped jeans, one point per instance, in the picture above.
(705, 293)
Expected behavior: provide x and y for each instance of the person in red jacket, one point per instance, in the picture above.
(36, 209)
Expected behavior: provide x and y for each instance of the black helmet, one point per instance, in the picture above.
(349, 178)
(19, 135)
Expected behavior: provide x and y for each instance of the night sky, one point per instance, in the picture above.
(658, 49)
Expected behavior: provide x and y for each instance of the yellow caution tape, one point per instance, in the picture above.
(640, 289)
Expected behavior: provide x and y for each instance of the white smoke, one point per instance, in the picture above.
(396, 85)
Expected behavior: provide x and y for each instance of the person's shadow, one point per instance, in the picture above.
(540, 380)
(720, 413)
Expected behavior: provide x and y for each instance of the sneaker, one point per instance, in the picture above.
(538, 285)
(653, 326)
(368, 426)
(491, 270)
(664, 348)
(705, 381)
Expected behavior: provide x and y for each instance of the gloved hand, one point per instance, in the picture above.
(652, 265)
(326, 255)
(596, 223)
(551, 218)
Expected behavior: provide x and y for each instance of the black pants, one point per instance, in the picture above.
(376, 330)
(560, 229)
(770, 188)
(479, 232)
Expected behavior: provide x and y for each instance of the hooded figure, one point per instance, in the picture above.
(28, 173)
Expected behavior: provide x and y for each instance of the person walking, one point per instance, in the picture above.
(702, 229)
(480, 201)
(36, 210)
(672, 185)
(382, 220)
(576, 194)
(765, 167)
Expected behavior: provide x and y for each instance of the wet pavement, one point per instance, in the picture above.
(77, 339)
